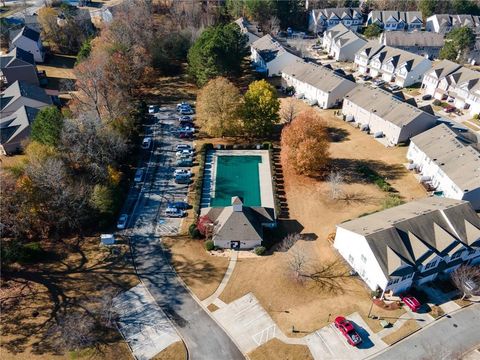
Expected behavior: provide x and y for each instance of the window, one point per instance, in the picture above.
(350, 259)
(363, 258)
(456, 255)
(431, 265)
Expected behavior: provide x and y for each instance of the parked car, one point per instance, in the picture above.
(449, 109)
(366, 77)
(181, 205)
(138, 175)
(185, 135)
(182, 104)
(347, 330)
(186, 124)
(184, 162)
(152, 109)
(184, 153)
(182, 179)
(183, 147)
(412, 303)
(122, 222)
(174, 212)
(186, 111)
(185, 118)
(182, 172)
(394, 87)
(186, 129)
(147, 142)
(426, 97)
(451, 100)
(378, 82)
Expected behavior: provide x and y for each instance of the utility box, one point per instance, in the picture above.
(107, 239)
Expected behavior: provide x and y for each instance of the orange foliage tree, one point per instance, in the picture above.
(305, 144)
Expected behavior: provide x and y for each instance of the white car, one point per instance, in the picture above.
(182, 172)
(122, 222)
(183, 147)
(138, 175)
(184, 153)
(152, 109)
(174, 212)
(147, 142)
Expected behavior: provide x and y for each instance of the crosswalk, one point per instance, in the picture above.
(163, 229)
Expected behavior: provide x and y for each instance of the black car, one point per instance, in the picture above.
(426, 97)
(180, 205)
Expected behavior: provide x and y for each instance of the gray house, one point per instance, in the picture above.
(29, 40)
(21, 94)
(18, 65)
(238, 226)
(15, 129)
(396, 20)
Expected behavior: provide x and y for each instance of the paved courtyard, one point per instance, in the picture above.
(143, 324)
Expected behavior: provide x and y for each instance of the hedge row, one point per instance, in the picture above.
(199, 179)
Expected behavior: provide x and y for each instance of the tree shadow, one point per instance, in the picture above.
(337, 134)
(351, 169)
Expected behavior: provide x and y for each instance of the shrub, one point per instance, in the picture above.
(259, 250)
(22, 253)
(476, 116)
(209, 245)
(436, 102)
(267, 145)
(392, 200)
(194, 232)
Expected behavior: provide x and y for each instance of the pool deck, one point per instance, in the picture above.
(264, 174)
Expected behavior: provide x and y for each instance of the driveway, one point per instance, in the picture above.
(444, 339)
(329, 344)
(204, 338)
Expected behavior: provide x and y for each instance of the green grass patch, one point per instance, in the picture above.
(375, 178)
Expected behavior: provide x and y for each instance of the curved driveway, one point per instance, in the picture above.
(204, 338)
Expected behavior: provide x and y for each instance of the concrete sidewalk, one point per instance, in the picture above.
(231, 266)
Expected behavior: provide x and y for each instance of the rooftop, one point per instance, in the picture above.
(414, 38)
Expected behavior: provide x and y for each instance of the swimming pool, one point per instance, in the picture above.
(236, 175)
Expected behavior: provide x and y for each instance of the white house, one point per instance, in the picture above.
(269, 56)
(449, 162)
(316, 83)
(29, 40)
(238, 226)
(330, 35)
(396, 20)
(393, 65)
(448, 80)
(22, 94)
(444, 23)
(247, 29)
(410, 244)
(384, 115)
(320, 20)
(345, 46)
(423, 43)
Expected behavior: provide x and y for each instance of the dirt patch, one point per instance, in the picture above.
(406, 329)
(201, 271)
(176, 351)
(76, 273)
(212, 307)
(276, 349)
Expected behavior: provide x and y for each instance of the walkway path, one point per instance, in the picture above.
(231, 266)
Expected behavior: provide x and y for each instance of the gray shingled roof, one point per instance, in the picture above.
(15, 124)
(316, 75)
(454, 155)
(268, 48)
(443, 68)
(21, 88)
(414, 38)
(384, 105)
(412, 233)
(15, 55)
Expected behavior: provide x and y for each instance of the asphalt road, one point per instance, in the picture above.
(445, 339)
(204, 338)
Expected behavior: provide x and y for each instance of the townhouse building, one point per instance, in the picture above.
(269, 57)
(448, 162)
(444, 23)
(316, 84)
(422, 43)
(320, 20)
(396, 20)
(410, 244)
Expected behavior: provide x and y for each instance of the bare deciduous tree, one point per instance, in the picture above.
(335, 181)
(467, 279)
(289, 110)
(272, 25)
(72, 332)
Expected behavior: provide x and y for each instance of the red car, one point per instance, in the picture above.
(347, 329)
(412, 303)
(449, 109)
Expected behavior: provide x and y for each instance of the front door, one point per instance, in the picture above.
(235, 245)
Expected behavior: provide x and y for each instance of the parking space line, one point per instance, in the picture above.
(324, 342)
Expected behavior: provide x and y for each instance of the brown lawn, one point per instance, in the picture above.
(405, 330)
(176, 351)
(74, 274)
(200, 271)
(276, 349)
